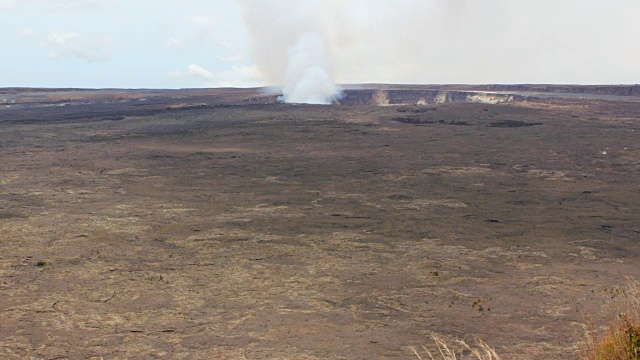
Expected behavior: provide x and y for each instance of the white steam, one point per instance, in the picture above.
(452, 41)
(308, 79)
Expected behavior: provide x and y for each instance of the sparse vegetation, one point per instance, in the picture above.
(620, 339)
(41, 263)
(478, 303)
(444, 352)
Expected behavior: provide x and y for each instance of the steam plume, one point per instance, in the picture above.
(452, 41)
(308, 80)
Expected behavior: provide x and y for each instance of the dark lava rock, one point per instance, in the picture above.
(514, 124)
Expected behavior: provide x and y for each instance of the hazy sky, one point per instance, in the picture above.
(207, 43)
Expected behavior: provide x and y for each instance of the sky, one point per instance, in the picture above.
(245, 43)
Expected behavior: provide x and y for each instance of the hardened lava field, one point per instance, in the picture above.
(217, 224)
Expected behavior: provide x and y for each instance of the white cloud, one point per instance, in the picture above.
(174, 42)
(25, 33)
(62, 38)
(7, 4)
(203, 27)
(237, 76)
(57, 5)
(201, 72)
(201, 22)
(225, 44)
(72, 45)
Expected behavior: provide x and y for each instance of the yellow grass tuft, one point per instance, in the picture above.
(444, 352)
(620, 339)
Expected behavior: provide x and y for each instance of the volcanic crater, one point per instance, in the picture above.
(219, 223)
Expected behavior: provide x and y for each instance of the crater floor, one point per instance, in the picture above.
(206, 226)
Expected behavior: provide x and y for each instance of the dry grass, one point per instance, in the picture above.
(444, 352)
(620, 339)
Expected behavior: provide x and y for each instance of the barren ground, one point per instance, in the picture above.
(277, 231)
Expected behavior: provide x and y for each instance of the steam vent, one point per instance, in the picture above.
(388, 95)
(423, 97)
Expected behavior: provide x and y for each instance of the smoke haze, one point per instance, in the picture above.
(308, 79)
(452, 41)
